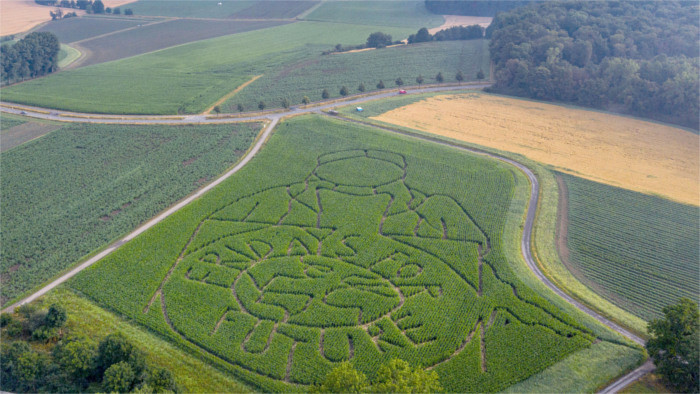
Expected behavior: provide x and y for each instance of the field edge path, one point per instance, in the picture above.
(115, 245)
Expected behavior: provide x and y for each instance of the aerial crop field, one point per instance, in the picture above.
(638, 251)
(339, 242)
(630, 153)
(187, 78)
(221, 9)
(331, 72)
(71, 191)
(76, 29)
(379, 13)
(158, 36)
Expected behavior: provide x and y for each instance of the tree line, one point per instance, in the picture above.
(454, 33)
(41, 354)
(639, 58)
(33, 56)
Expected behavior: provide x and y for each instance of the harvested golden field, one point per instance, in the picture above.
(18, 16)
(461, 20)
(616, 150)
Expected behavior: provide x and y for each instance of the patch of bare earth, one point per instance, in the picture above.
(461, 20)
(18, 135)
(18, 16)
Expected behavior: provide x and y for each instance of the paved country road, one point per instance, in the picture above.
(273, 118)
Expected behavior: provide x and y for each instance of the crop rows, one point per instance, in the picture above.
(640, 251)
(71, 191)
(288, 268)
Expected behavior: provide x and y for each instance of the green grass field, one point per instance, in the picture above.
(638, 251)
(191, 373)
(76, 29)
(302, 260)
(187, 78)
(10, 121)
(313, 74)
(379, 13)
(221, 9)
(159, 36)
(71, 191)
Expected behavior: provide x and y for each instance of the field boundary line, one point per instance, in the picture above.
(116, 245)
(526, 246)
(231, 94)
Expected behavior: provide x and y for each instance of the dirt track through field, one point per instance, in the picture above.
(229, 95)
(274, 119)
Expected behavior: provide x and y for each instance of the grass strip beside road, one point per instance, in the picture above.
(191, 373)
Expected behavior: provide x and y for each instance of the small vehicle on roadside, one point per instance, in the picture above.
(401, 91)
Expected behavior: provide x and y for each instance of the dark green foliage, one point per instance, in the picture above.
(380, 84)
(378, 40)
(635, 57)
(344, 91)
(285, 103)
(674, 345)
(161, 380)
(118, 378)
(33, 56)
(398, 377)
(361, 87)
(343, 379)
(439, 78)
(480, 74)
(317, 277)
(638, 251)
(115, 348)
(399, 81)
(76, 356)
(460, 77)
(56, 316)
(72, 191)
(325, 94)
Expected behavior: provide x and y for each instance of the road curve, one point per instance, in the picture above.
(274, 118)
(525, 247)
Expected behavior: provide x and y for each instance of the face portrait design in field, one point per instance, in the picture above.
(348, 264)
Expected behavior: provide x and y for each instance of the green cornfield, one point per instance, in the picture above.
(339, 242)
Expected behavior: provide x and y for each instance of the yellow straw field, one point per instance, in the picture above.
(616, 150)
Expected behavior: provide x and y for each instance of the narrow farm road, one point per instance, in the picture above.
(525, 244)
(111, 248)
(273, 118)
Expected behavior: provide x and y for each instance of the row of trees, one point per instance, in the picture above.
(454, 33)
(375, 40)
(39, 355)
(33, 56)
(397, 376)
(344, 90)
(634, 57)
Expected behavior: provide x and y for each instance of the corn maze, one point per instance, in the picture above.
(366, 257)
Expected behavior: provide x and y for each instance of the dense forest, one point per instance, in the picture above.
(32, 56)
(633, 57)
(472, 7)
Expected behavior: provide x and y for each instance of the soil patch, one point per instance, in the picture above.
(18, 135)
(461, 20)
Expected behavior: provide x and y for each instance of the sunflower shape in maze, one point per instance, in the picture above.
(349, 263)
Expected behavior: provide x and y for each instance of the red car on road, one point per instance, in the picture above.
(402, 91)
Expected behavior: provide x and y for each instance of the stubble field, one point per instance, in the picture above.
(629, 153)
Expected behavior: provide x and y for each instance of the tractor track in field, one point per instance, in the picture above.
(273, 119)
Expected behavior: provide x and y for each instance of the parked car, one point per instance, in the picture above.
(402, 91)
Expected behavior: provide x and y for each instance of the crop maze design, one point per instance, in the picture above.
(348, 264)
